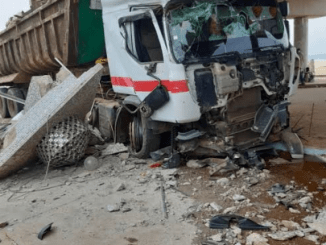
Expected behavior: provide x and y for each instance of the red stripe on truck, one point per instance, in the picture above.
(148, 86)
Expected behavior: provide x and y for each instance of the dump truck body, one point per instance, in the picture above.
(63, 29)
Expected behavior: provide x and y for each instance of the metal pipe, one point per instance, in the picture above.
(13, 98)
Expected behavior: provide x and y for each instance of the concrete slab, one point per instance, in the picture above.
(73, 97)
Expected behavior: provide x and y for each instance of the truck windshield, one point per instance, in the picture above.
(211, 28)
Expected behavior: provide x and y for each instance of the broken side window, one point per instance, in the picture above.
(142, 41)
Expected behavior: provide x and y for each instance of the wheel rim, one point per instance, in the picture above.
(136, 134)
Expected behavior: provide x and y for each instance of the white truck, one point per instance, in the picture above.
(206, 77)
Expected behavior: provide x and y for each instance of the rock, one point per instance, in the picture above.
(312, 238)
(283, 236)
(113, 208)
(136, 161)
(224, 167)
(124, 156)
(217, 238)
(277, 161)
(291, 225)
(3, 224)
(171, 183)
(125, 210)
(323, 182)
(236, 231)
(304, 200)
(242, 171)
(114, 149)
(256, 239)
(216, 207)
(120, 187)
(230, 210)
(253, 181)
(195, 164)
(294, 211)
(318, 226)
(223, 181)
(238, 198)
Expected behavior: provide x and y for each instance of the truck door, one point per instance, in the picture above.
(146, 49)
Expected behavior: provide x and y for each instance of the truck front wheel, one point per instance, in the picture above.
(3, 104)
(14, 107)
(142, 139)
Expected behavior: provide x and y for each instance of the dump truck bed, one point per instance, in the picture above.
(65, 29)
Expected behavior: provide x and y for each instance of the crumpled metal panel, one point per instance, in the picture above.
(73, 97)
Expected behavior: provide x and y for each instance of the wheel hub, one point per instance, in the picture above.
(136, 134)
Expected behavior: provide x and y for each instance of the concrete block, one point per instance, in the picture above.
(73, 97)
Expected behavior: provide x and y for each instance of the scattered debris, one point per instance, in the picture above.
(3, 224)
(44, 231)
(114, 149)
(216, 207)
(286, 235)
(120, 187)
(256, 239)
(113, 208)
(195, 164)
(223, 222)
(317, 222)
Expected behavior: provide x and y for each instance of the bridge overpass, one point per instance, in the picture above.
(301, 11)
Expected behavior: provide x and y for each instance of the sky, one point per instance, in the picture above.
(317, 27)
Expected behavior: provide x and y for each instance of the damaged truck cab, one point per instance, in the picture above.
(209, 77)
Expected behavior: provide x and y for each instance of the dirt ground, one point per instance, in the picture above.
(76, 200)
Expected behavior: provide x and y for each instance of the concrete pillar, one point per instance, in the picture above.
(301, 38)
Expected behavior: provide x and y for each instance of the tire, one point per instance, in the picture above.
(14, 107)
(146, 142)
(3, 104)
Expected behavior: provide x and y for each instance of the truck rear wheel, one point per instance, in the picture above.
(142, 139)
(3, 104)
(14, 107)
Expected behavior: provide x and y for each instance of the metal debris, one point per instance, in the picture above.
(44, 231)
(223, 222)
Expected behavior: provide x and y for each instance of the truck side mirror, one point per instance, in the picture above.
(287, 26)
(284, 8)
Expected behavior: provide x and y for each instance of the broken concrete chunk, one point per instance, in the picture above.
(256, 239)
(291, 225)
(120, 187)
(294, 211)
(72, 97)
(217, 238)
(216, 207)
(114, 149)
(113, 208)
(224, 167)
(195, 164)
(223, 181)
(238, 198)
(38, 87)
(283, 236)
(312, 238)
(304, 200)
(279, 160)
(230, 210)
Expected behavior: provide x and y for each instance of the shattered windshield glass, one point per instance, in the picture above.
(211, 28)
